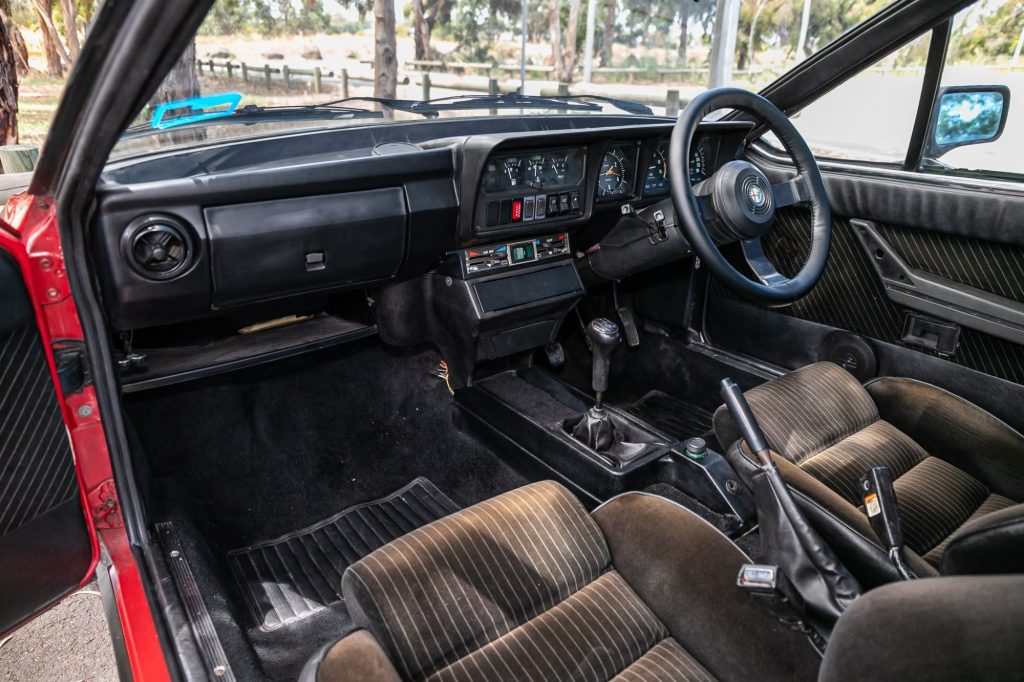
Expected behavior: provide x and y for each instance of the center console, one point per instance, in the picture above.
(485, 302)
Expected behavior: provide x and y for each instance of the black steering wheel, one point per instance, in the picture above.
(738, 203)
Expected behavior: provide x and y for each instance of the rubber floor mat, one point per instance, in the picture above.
(675, 417)
(299, 574)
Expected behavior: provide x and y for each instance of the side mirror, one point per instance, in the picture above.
(966, 115)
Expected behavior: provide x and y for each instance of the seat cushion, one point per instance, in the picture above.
(516, 587)
(822, 420)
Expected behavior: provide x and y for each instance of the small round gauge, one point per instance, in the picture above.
(558, 165)
(613, 179)
(535, 170)
(513, 170)
(698, 165)
(491, 176)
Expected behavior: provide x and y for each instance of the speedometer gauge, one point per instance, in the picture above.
(615, 179)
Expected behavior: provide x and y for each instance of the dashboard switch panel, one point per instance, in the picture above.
(498, 257)
(521, 187)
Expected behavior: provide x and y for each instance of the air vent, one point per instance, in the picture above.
(157, 247)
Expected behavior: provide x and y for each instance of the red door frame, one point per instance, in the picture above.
(29, 233)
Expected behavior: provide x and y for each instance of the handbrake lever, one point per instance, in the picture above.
(744, 418)
(879, 496)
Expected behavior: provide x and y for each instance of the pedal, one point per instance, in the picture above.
(629, 326)
(555, 354)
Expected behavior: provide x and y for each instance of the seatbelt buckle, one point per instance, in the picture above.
(879, 497)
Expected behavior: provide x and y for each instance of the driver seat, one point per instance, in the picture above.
(958, 471)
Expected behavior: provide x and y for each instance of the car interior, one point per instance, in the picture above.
(572, 397)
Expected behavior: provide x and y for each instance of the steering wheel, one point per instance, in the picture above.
(738, 203)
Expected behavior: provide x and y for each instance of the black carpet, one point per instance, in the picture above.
(672, 416)
(299, 574)
(727, 523)
(258, 453)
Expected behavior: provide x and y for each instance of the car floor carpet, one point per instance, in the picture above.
(257, 453)
(298, 574)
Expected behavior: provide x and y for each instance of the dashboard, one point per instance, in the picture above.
(275, 220)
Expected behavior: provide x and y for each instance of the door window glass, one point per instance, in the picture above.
(869, 117)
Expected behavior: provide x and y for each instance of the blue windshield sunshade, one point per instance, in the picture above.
(228, 102)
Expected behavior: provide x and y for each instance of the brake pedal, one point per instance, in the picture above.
(555, 354)
(629, 326)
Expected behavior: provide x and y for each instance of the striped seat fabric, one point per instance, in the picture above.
(820, 418)
(519, 587)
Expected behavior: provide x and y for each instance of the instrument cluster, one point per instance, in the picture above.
(533, 170)
(617, 177)
(519, 189)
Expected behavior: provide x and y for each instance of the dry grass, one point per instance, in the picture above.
(38, 96)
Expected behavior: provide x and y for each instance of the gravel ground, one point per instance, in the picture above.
(68, 643)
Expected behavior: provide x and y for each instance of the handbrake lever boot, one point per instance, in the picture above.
(822, 588)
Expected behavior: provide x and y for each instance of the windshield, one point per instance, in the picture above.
(264, 66)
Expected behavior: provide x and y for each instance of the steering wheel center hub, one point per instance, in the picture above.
(743, 199)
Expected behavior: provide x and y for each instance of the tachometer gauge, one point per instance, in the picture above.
(698, 165)
(513, 171)
(616, 175)
(656, 180)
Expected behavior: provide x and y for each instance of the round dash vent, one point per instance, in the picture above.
(157, 247)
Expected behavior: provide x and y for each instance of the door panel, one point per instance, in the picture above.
(45, 545)
(852, 295)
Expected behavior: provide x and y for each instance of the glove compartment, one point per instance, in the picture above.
(270, 249)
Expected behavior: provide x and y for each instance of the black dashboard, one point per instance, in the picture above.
(203, 232)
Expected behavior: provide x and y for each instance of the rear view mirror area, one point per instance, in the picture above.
(965, 115)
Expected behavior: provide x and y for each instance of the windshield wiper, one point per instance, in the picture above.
(252, 113)
(514, 100)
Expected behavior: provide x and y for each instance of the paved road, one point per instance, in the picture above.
(68, 643)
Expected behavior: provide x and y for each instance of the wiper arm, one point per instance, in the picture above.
(514, 100)
(408, 105)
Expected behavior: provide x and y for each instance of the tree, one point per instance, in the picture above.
(70, 12)
(8, 87)
(385, 59)
(17, 40)
(182, 82)
(555, 29)
(571, 50)
(425, 14)
(608, 34)
(56, 56)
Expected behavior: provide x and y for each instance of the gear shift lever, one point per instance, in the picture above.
(595, 428)
(604, 336)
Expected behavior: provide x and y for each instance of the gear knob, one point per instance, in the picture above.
(604, 336)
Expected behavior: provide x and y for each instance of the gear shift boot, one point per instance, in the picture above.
(595, 430)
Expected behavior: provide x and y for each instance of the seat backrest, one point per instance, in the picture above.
(445, 590)
(805, 411)
(947, 628)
